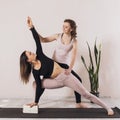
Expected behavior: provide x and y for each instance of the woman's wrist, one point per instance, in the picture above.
(70, 68)
(31, 27)
(36, 102)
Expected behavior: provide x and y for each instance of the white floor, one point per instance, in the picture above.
(68, 102)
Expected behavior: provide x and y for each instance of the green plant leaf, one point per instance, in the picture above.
(93, 75)
(90, 55)
(95, 52)
(83, 60)
(98, 64)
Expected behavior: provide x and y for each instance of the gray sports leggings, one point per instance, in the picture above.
(71, 82)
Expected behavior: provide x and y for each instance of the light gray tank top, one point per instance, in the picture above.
(62, 51)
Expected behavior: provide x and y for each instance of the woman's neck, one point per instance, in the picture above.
(67, 35)
(36, 64)
(66, 38)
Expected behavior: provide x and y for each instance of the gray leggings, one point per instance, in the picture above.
(72, 82)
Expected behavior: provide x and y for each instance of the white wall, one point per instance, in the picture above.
(94, 18)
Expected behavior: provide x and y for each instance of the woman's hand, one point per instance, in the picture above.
(68, 71)
(32, 104)
(29, 22)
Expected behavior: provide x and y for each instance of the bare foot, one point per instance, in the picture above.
(110, 112)
(82, 105)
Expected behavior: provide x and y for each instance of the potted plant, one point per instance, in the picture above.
(93, 68)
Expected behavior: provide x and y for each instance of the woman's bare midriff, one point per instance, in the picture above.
(56, 70)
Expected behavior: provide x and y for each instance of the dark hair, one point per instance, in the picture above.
(73, 26)
(25, 68)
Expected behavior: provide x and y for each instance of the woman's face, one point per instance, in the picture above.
(31, 56)
(67, 28)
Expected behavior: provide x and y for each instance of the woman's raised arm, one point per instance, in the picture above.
(35, 36)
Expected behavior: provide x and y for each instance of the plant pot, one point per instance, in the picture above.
(96, 94)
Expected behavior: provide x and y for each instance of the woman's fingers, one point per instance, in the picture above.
(29, 22)
(32, 104)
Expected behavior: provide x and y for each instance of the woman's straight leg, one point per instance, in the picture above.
(73, 83)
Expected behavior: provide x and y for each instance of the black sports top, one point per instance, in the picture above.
(46, 69)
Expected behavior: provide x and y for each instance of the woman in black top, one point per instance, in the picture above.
(52, 72)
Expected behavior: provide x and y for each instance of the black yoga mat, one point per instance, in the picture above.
(59, 113)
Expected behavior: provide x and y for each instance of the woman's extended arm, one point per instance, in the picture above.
(74, 52)
(49, 38)
(39, 89)
(73, 57)
(35, 36)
